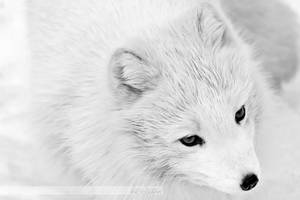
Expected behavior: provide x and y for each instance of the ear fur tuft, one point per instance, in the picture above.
(211, 27)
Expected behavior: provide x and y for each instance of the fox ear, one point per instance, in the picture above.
(132, 75)
(212, 26)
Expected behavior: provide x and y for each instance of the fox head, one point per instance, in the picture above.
(191, 101)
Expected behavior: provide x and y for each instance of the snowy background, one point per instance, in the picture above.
(20, 163)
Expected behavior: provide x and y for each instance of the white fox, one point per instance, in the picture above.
(158, 93)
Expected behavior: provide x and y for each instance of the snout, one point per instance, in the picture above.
(249, 182)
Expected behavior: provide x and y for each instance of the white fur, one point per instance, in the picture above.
(195, 72)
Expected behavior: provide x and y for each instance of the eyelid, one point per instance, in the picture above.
(180, 136)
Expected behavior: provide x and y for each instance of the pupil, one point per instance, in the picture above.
(190, 139)
(240, 114)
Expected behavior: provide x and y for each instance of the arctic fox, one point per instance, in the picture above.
(156, 93)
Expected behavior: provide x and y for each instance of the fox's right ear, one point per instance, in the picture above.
(212, 26)
(132, 75)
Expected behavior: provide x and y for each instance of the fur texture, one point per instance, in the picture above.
(116, 84)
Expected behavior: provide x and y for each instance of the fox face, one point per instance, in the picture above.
(190, 102)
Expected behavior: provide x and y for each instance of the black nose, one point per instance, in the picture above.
(249, 182)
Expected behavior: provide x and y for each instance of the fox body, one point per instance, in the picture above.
(150, 93)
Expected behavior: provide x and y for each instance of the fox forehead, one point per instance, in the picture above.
(189, 64)
(207, 77)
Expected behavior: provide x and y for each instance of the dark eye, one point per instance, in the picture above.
(240, 115)
(192, 140)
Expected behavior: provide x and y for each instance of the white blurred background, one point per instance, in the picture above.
(20, 163)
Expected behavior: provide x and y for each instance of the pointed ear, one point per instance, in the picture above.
(132, 75)
(211, 26)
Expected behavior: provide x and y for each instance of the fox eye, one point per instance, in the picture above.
(192, 140)
(240, 115)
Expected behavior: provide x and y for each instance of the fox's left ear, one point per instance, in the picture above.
(212, 26)
(132, 75)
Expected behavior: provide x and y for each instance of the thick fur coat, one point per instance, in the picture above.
(117, 84)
